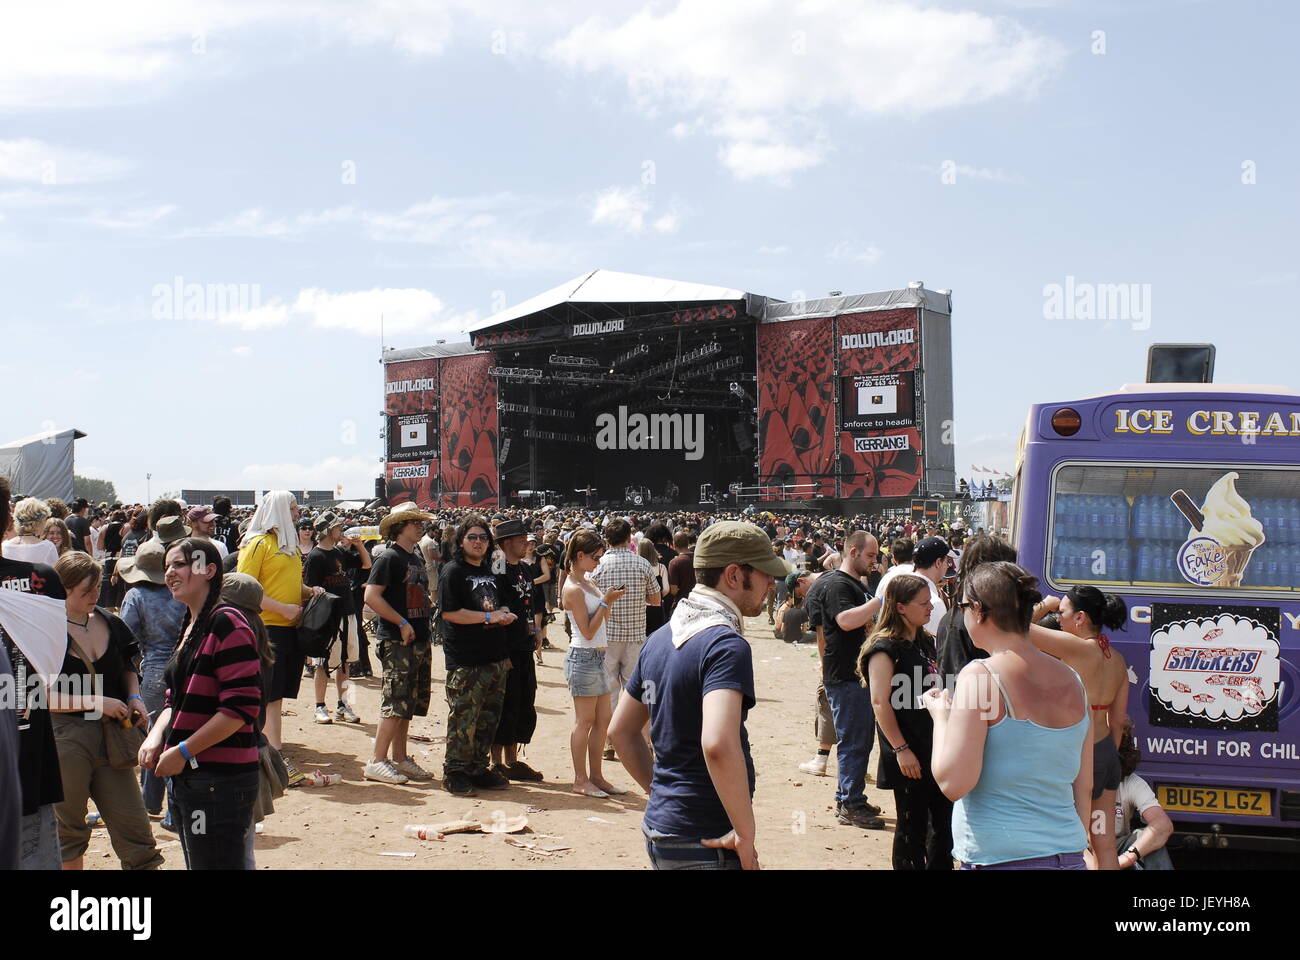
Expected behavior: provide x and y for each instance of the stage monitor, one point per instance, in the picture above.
(882, 401)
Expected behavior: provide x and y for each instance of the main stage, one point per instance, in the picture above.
(617, 388)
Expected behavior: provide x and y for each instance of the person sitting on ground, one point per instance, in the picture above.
(1144, 847)
(792, 616)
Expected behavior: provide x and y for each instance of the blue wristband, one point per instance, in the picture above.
(136, 696)
(185, 751)
(487, 616)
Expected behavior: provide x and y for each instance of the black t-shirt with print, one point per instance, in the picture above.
(551, 554)
(324, 568)
(38, 757)
(463, 586)
(830, 595)
(406, 588)
(515, 588)
(131, 541)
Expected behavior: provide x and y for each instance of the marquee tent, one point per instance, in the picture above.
(41, 465)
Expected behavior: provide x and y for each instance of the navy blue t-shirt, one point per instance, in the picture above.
(671, 682)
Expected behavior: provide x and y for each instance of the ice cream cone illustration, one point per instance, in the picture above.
(1223, 535)
(1236, 560)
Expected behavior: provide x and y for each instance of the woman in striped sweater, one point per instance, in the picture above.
(204, 739)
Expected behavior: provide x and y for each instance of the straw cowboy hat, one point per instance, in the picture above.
(404, 513)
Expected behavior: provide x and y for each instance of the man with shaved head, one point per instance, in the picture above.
(839, 608)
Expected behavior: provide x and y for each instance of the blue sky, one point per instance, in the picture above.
(435, 161)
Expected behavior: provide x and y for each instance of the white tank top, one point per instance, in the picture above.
(578, 641)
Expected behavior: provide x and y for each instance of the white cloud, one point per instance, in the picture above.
(138, 219)
(273, 314)
(764, 71)
(253, 222)
(628, 209)
(73, 53)
(623, 208)
(855, 252)
(241, 351)
(403, 311)
(953, 171)
(34, 161)
(490, 231)
(774, 251)
(357, 474)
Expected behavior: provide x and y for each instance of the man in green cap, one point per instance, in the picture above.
(694, 682)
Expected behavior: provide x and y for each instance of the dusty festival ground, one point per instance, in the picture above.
(353, 824)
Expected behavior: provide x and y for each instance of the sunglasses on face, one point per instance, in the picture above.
(967, 604)
(481, 537)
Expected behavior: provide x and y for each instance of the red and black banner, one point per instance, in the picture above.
(796, 406)
(880, 446)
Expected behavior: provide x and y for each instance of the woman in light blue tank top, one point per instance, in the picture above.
(1022, 784)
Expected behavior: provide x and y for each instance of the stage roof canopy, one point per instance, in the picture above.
(610, 286)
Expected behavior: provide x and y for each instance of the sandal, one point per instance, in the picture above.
(598, 794)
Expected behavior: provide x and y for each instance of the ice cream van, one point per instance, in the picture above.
(1184, 499)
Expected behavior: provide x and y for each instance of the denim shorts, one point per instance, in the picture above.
(584, 668)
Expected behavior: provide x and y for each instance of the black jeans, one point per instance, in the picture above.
(923, 833)
(213, 813)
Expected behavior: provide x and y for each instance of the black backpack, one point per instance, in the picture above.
(317, 625)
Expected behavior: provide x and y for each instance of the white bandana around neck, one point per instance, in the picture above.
(701, 609)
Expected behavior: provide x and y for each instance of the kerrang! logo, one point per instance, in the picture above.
(1212, 660)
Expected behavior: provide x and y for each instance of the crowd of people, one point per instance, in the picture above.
(998, 715)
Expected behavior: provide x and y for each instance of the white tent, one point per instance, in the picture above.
(41, 465)
(611, 286)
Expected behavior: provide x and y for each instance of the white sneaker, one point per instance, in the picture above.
(323, 714)
(816, 766)
(345, 715)
(412, 769)
(384, 772)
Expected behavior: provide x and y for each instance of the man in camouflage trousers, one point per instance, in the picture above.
(477, 652)
(398, 592)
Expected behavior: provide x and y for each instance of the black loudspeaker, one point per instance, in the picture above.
(1180, 363)
(743, 438)
(381, 488)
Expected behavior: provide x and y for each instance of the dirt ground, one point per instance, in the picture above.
(353, 824)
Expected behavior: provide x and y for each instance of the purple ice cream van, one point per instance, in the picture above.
(1184, 499)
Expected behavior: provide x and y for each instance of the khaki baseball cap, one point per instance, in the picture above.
(732, 541)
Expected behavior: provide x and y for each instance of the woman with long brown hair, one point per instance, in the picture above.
(584, 665)
(57, 533)
(898, 664)
(205, 739)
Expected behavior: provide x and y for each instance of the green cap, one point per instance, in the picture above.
(792, 581)
(731, 541)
